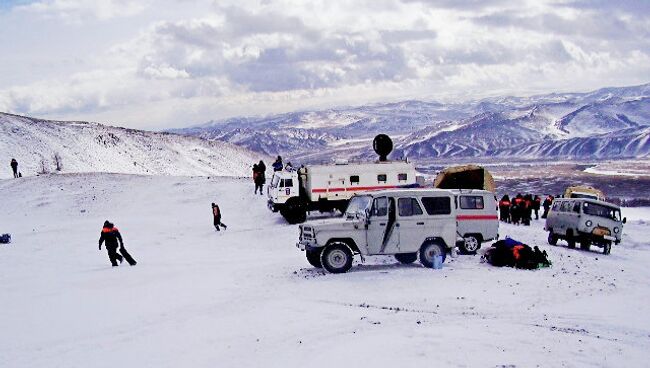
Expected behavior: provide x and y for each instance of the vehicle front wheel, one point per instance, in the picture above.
(336, 257)
(571, 241)
(470, 244)
(406, 258)
(430, 250)
(607, 248)
(313, 257)
(585, 244)
(552, 238)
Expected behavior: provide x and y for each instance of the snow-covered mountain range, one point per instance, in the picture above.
(93, 147)
(607, 123)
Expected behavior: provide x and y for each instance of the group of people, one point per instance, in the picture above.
(520, 209)
(259, 176)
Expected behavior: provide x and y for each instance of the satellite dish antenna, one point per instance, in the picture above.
(383, 145)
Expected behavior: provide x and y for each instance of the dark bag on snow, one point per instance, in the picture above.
(127, 257)
(511, 253)
(5, 238)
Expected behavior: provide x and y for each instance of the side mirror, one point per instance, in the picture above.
(624, 220)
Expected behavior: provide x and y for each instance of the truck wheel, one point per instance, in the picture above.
(607, 248)
(470, 244)
(571, 241)
(313, 257)
(294, 211)
(430, 250)
(585, 243)
(406, 258)
(552, 238)
(336, 257)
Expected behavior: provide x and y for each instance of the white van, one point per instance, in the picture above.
(478, 218)
(406, 223)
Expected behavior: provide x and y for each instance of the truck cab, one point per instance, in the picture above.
(585, 220)
(283, 186)
(405, 223)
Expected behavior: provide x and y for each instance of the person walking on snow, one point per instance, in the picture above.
(111, 235)
(14, 167)
(216, 214)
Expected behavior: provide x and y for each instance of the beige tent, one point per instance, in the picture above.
(583, 191)
(465, 177)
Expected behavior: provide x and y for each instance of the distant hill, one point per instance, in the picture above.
(93, 147)
(607, 123)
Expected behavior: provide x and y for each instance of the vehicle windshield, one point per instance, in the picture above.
(358, 204)
(601, 211)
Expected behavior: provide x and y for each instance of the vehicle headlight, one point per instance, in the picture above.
(616, 230)
(588, 223)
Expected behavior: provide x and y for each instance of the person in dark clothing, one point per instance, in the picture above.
(504, 208)
(537, 201)
(256, 173)
(216, 214)
(547, 205)
(14, 167)
(260, 179)
(277, 165)
(111, 235)
(527, 212)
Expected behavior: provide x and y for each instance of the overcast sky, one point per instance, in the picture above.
(172, 63)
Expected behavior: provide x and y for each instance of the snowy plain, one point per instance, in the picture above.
(246, 297)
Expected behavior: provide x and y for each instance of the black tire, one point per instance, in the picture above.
(585, 243)
(336, 257)
(552, 238)
(406, 258)
(571, 241)
(429, 250)
(607, 248)
(313, 257)
(470, 244)
(294, 211)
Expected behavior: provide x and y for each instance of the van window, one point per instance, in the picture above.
(402, 177)
(408, 207)
(380, 206)
(576, 207)
(288, 183)
(437, 205)
(282, 183)
(565, 206)
(381, 178)
(471, 202)
(556, 206)
(354, 179)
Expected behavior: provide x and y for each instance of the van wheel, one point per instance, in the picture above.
(470, 244)
(552, 238)
(294, 211)
(313, 257)
(585, 243)
(430, 250)
(336, 257)
(571, 241)
(406, 258)
(607, 248)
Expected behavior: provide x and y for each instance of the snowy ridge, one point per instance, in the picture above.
(569, 125)
(93, 147)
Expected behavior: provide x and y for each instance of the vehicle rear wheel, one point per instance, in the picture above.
(336, 257)
(552, 238)
(470, 244)
(585, 243)
(430, 250)
(406, 258)
(313, 257)
(607, 248)
(571, 241)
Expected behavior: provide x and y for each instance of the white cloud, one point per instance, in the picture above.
(182, 62)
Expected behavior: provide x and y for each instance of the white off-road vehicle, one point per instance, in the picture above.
(406, 223)
(586, 221)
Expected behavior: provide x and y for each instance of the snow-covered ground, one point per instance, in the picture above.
(247, 297)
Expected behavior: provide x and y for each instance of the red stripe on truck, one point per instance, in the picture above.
(353, 189)
(476, 217)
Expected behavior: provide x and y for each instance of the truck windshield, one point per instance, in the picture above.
(601, 211)
(358, 204)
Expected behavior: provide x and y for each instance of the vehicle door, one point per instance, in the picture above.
(411, 223)
(382, 232)
(441, 218)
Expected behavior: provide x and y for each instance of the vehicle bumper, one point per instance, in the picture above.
(303, 245)
(273, 206)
